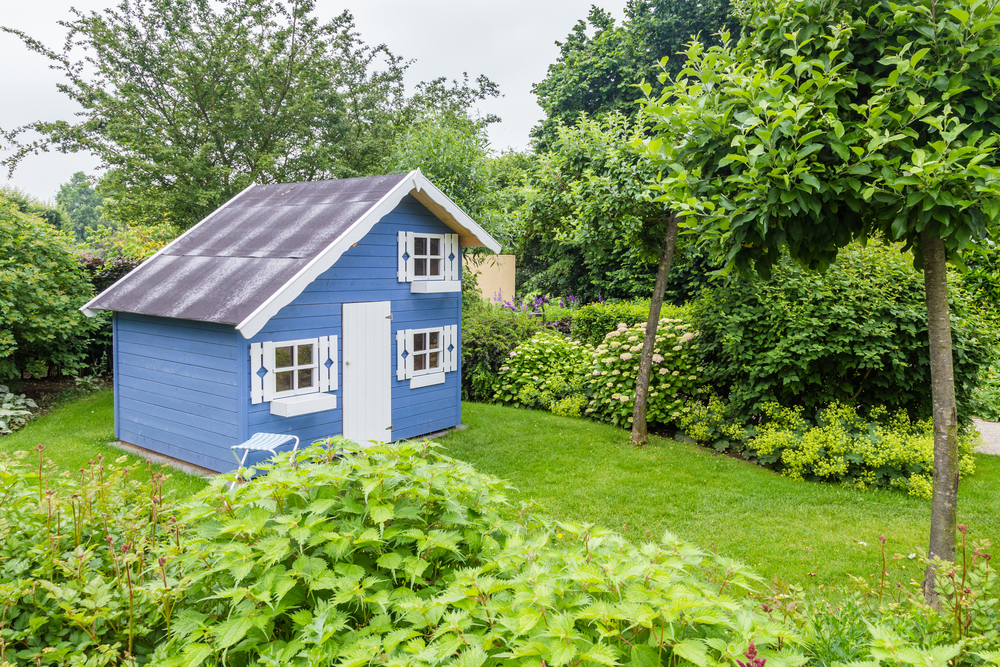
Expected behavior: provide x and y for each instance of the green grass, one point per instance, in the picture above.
(806, 533)
(76, 432)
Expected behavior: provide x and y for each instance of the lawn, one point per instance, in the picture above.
(75, 433)
(806, 533)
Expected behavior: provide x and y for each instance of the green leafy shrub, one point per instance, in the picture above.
(986, 398)
(489, 334)
(87, 569)
(569, 406)
(397, 555)
(593, 321)
(855, 334)
(543, 370)
(675, 377)
(15, 410)
(41, 288)
(711, 423)
(880, 450)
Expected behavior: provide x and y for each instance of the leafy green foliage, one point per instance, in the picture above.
(879, 450)
(41, 288)
(831, 121)
(592, 322)
(187, 103)
(86, 563)
(543, 370)
(855, 334)
(597, 73)
(80, 200)
(55, 216)
(15, 410)
(400, 555)
(986, 397)
(489, 334)
(676, 376)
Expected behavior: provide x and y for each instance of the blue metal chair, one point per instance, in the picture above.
(263, 442)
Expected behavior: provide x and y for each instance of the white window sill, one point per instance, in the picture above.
(294, 406)
(426, 380)
(433, 286)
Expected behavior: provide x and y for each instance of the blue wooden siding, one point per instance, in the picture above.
(177, 388)
(366, 272)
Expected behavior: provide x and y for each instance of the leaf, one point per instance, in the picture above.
(195, 654)
(233, 630)
(693, 650)
(381, 513)
(960, 14)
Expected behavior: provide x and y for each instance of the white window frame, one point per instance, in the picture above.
(428, 350)
(450, 277)
(262, 356)
(448, 359)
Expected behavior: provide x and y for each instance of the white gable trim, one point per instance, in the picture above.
(85, 308)
(416, 184)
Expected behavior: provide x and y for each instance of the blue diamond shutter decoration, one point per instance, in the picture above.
(261, 373)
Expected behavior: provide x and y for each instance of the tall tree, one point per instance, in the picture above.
(54, 215)
(841, 119)
(82, 203)
(593, 189)
(600, 62)
(186, 102)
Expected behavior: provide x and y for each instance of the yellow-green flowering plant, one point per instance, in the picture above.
(543, 370)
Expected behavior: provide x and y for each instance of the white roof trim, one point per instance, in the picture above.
(85, 308)
(416, 184)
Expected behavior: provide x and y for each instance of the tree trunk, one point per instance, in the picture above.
(945, 499)
(639, 433)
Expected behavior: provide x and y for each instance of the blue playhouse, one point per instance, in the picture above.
(305, 309)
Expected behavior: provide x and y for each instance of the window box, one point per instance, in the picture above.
(435, 286)
(303, 405)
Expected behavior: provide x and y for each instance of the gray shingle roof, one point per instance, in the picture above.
(226, 266)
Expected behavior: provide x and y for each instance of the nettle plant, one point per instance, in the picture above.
(87, 571)
(674, 380)
(544, 370)
(398, 555)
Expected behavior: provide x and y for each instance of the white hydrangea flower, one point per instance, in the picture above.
(657, 359)
(626, 356)
(664, 371)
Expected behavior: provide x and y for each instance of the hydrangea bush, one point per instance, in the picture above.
(615, 365)
(543, 370)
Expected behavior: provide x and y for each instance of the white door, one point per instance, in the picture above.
(367, 358)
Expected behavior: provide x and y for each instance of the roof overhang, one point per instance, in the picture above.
(416, 184)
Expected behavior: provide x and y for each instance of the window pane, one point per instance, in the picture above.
(420, 246)
(419, 342)
(435, 247)
(434, 339)
(420, 267)
(283, 381)
(305, 378)
(435, 267)
(419, 362)
(283, 357)
(305, 355)
(434, 362)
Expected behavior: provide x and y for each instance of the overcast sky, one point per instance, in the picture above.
(510, 41)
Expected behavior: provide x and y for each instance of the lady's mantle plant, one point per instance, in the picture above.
(615, 363)
(397, 555)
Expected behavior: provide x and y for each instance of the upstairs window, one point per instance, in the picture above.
(429, 262)
(428, 257)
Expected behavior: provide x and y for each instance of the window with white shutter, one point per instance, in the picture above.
(423, 356)
(429, 262)
(294, 376)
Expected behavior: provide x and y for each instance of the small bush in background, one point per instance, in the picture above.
(986, 397)
(543, 371)
(15, 410)
(591, 323)
(489, 334)
(675, 376)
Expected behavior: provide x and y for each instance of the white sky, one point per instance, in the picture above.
(512, 42)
